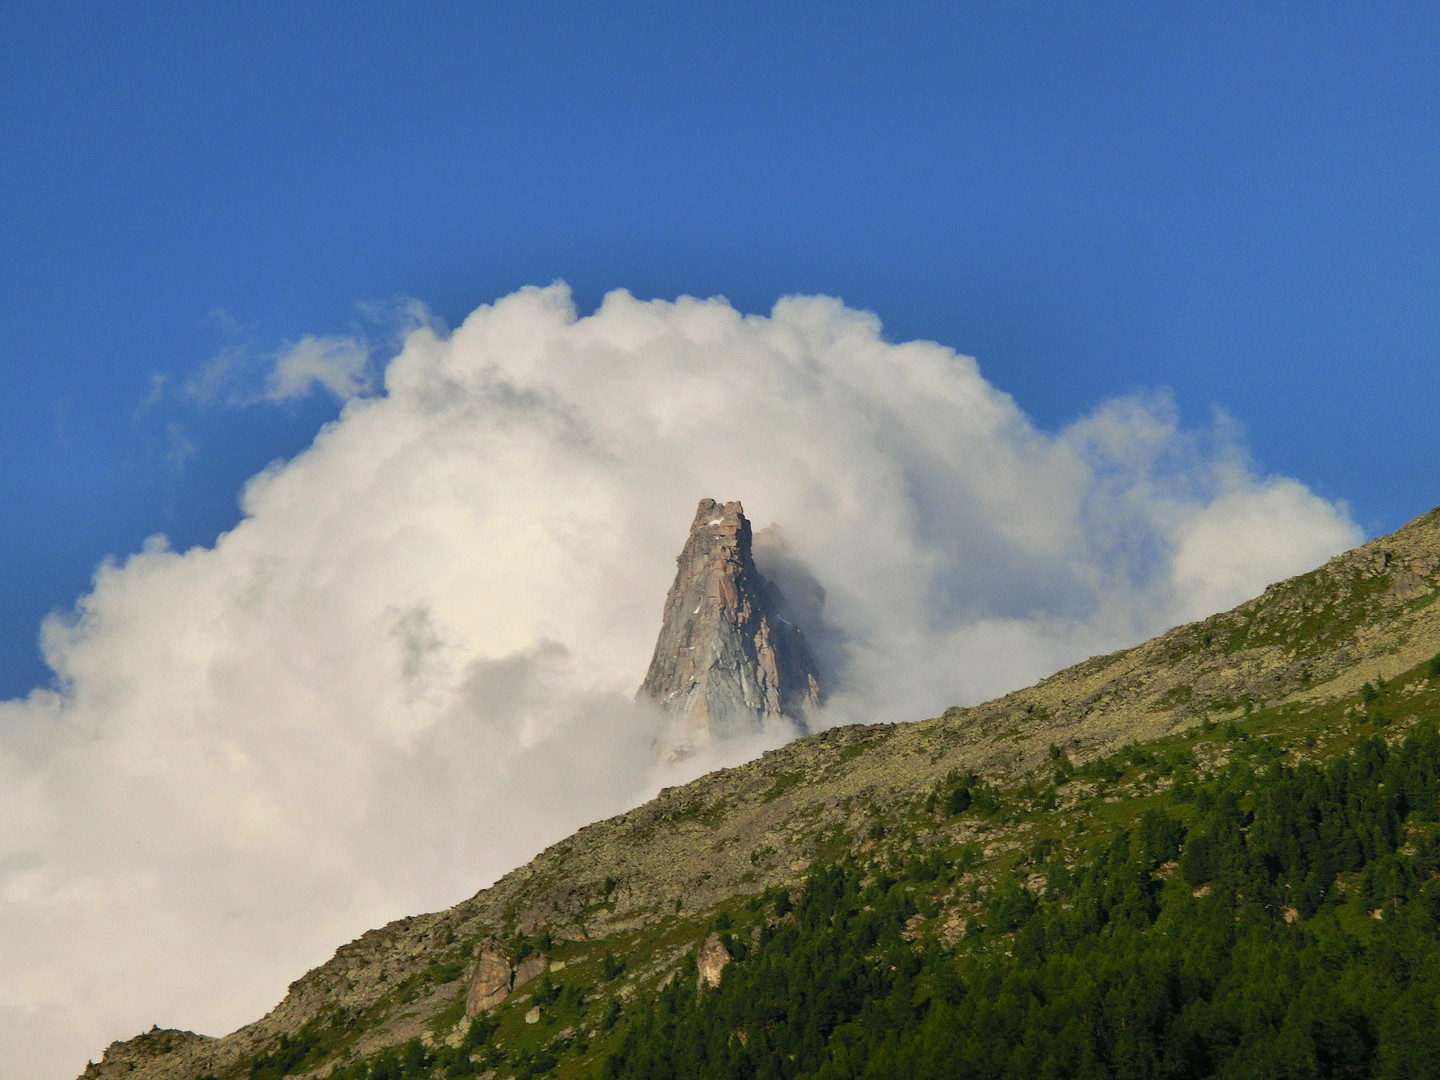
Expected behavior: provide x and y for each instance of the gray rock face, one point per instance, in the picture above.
(729, 659)
(491, 984)
(496, 976)
(528, 968)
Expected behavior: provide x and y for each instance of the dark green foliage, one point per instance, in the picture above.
(481, 1031)
(548, 991)
(1106, 770)
(572, 998)
(413, 1061)
(957, 801)
(1009, 908)
(313, 1043)
(611, 966)
(1117, 969)
(446, 971)
(1160, 837)
(960, 792)
(611, 1016)
(1064, 768)
(1200, 861)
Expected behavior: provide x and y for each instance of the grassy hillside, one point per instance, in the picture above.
(982, 825)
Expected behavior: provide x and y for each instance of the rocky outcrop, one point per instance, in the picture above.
(729, 659)
(491, 984)
(496, 976)
(710, 962)
(528, 968)
(151, 1051)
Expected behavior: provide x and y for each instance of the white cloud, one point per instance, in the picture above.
(152, 397)
(411, 665)
(238, 376)
(180, 449)
(219, 378)
(339, 364)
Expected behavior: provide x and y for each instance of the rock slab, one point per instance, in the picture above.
(491, 984)
(496, 975)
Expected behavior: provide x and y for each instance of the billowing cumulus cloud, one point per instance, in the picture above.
(411, 665)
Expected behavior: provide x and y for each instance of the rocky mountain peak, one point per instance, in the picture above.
(729, 659)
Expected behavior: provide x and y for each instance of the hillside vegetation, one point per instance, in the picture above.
(1212, 854)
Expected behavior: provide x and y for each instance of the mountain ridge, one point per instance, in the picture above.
(1314, 640)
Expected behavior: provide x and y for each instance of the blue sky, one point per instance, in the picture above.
(1238, 202)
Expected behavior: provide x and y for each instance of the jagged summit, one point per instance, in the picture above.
(729, 658)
